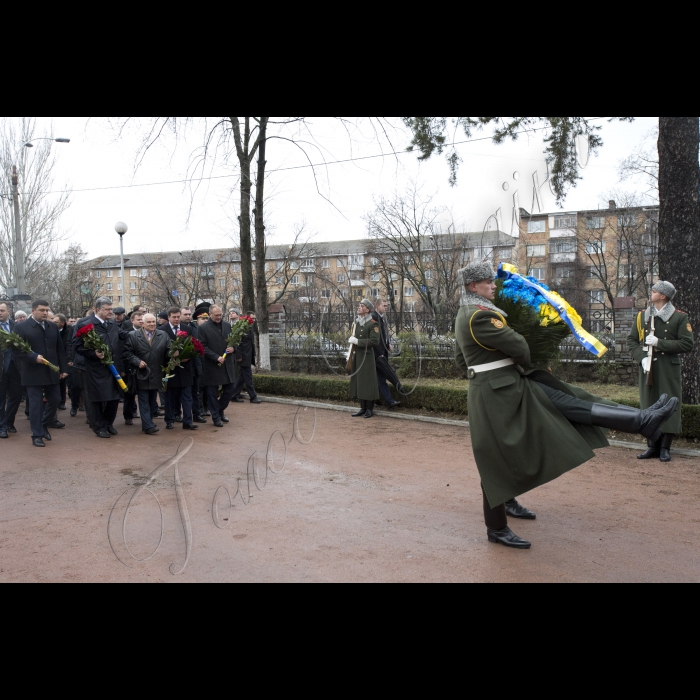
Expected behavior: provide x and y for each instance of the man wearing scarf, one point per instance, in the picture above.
(672, 337)
(363, 383)
(527, 427)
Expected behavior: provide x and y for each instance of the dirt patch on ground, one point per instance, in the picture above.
(379, 500)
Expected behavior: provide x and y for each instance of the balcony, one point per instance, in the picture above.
(563, 257)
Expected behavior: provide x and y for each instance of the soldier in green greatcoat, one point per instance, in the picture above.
(363, 368)
(671, 337)
(527, 427)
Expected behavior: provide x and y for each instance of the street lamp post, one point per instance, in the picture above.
(121, 228)
(19, 246)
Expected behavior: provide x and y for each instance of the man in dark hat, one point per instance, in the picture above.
(363, 383)
(199, 318)
(658, 353)
(162, 318)
(381, 353)
(527, 428)
(147, 351)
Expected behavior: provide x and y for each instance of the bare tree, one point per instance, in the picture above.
(40, 211)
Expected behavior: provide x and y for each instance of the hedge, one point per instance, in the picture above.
(426, 398)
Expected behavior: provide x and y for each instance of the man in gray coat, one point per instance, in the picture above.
(147, 350)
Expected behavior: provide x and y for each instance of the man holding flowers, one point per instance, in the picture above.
(218, 364)
(245, 359)
(104, 389)
(181, 365)
(38, 353)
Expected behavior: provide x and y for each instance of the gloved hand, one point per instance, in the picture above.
(646, 364)
(653, 341)
(354, 341)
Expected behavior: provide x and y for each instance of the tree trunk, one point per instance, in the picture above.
(245, 225)
(263, 305)
(679, 224)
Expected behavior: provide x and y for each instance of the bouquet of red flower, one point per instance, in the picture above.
(8, 341)
(92, 341)
(183, 348)
(238, 330)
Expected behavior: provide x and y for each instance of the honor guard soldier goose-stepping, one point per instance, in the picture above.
(527, 427)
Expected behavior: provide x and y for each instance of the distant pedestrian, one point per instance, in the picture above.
(363, 383)
(382, 351)
(245, 361)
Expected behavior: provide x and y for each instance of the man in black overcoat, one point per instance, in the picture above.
(103, 390)
(383, 350)
(178, 397)
(186, 320)
(39, 381)
(10, 380)
(245, 360)
(218, 364)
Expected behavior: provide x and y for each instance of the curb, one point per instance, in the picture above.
(437, 421)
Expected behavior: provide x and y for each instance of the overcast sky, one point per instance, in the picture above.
(167, 217)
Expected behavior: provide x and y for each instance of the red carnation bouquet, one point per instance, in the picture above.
(92, 341)
(184, 347)
(238, 330)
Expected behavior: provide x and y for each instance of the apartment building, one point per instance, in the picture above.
(323, 274)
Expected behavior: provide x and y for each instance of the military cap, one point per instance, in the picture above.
(665, 288)
(368, 304)
(476, 272)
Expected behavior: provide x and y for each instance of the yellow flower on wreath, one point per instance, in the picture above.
(550, 315)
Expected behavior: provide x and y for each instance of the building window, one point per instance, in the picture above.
(391, 261)
(410, 307)
(109, 287)
(394, 276)
(325, 264)
(340, 262)
(536, 251)
(357, 259)
(236, 297)
(564, 273)
(309, 262)
(595, 248)
(537, 226)
(134, 299)
(564, 245)
(109, 273)
(119, 274)
(505, 254)
(538, 273)
(294, 266)
(144, 273)
(597, 296)
(295, 279)
(222, 283)
(374, 292)
(133, 273)
(565, 222)
(408, 260)
(374, 277)
(97, 274)
(133, 285)
(628, 271)
(374, 262)
(279, 280)
(627, 221)
(593, 273)
(237, 268)
(409, 291)
(595, 222)
(144, 285)
(342, 279)
(325, 293)
(428, 274)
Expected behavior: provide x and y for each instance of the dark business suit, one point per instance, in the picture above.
(382, 350)
(103, 390)
(179, 394)
(245, 361)
(10, 384)
(196, 375)
(66, 339)
(214, 337)
(39, 380)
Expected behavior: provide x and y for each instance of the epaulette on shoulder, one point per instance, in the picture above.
(483, 308)
(678, 311)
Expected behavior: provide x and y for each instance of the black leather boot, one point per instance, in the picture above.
(631, 420)
(507, 539)
(369, 412)
(666, 444)
(361, 412)
(515, 510)
(654, 451)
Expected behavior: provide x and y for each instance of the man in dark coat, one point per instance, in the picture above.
(146, 350)
(66, 338)
(130, 408)
(218, 364)
(245, 361)
(40, 381)
(186, 322)
(527, 427)
(363, 381)
(10, 380)
(671, 337)
(382, 351)
(178, 397)
(103, 390)
(80, 376)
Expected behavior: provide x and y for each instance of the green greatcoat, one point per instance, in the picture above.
(364, 384)
(675, 339)
(520, 440)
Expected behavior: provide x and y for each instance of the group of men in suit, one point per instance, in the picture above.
(140, 350)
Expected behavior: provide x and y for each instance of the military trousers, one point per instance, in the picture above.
(573, 409)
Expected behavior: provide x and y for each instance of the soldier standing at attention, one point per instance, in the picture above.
(363, 383)
(672, 337)
(527, 427)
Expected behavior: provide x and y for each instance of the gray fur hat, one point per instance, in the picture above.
(368, 304)
(476, 272)
(665, 288)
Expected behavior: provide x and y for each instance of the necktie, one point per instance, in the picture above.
(6, 327)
